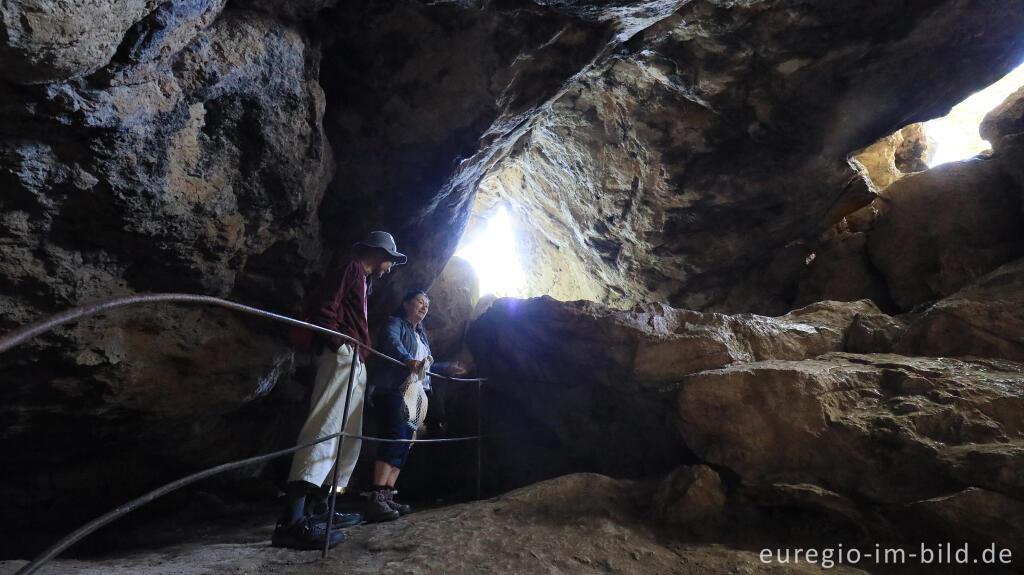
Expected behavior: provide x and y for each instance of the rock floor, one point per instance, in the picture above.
(574, 524)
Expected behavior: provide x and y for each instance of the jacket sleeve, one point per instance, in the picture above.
(391, 340)
(441, 367)
(325, 313)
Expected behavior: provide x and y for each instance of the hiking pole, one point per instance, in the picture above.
(337, 456)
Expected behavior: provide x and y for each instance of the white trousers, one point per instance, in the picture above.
(314, 464)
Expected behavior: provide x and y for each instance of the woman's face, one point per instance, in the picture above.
(416, 308)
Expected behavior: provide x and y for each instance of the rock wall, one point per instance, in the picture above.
(186, 153)
(423, 98)
(953, 224)
(698, 164)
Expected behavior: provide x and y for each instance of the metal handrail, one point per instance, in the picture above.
(28, 332)
(24, 334)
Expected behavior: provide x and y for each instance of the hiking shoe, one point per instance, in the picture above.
(341, 520)
(401, 508)
(377, 508)
(304, 534)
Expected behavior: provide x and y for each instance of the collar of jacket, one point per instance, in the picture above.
(418, 329)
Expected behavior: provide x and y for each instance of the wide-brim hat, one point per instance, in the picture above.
(384, 241)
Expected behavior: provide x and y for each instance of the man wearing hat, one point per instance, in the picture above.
(340, 306)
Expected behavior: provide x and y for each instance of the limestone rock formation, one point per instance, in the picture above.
(567, 375)
(415, 122)
(930, 413)
(959, 220)
(202, 178)
(675, 171)
(1003, 128)
(781, 409)
(46, 41)
(1004, 121)
(880, 429)
(840, 269)
(953, 224)
(691, 497)
(889, 159)
(985, 319)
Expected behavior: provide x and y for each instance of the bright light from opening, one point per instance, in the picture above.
(956, 135)
(493, 256)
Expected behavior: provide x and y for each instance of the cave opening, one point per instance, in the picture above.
(957, 136)
(495, 258)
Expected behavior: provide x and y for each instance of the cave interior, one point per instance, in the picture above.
(747, 294)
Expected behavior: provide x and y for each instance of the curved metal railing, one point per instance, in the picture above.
(28, 332)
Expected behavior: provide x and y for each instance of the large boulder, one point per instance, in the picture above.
(984, 319)
(841, 270)
(953, 224)
(959, 221)
(1004, 128)
(691, 497)
(886, 430)
(1004, 121)
(579, 386)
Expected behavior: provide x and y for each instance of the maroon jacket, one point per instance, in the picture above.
(341, 304)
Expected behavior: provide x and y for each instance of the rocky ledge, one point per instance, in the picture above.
(884, 428)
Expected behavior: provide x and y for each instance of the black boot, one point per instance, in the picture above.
(295, 502)
(304, 534)
(377, 508)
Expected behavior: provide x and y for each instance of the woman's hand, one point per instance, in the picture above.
(456, 370)
(414, 365)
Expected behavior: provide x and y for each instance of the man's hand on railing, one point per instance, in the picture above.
(414, 365)
(456, 369)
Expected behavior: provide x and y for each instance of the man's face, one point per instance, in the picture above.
(383, 268)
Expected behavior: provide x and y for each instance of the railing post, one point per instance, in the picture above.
(337, 456)
(479, 435)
